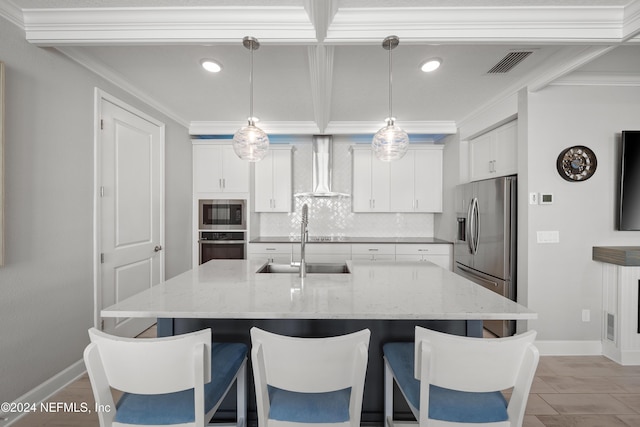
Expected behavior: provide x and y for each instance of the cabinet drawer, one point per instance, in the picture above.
(373, 257)
(341, 249)
(269, 248)
(410, 249)
(371, 249)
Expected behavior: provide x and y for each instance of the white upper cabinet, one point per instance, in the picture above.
(217, 169)
(370, 182)
(416, 181)
(273, 184)
(495, 153)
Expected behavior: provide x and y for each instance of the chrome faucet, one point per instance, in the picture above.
(304, 237)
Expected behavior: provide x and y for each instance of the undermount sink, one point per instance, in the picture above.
(317, 268)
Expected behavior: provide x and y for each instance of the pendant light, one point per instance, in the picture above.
(390, 142)
(250, 142)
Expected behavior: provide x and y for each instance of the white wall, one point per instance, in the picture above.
(562, 278)
(47, 281)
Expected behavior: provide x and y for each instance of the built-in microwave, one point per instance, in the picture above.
(217, 214)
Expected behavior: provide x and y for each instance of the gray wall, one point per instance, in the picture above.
(562, 278)
(46, 285)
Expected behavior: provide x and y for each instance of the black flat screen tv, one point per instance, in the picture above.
(629, 200)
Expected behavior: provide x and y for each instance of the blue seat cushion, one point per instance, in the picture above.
(175, 408)
(329, 407)
(444, 404)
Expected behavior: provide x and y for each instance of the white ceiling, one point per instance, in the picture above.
(321, 66)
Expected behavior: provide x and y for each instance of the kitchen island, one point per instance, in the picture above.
(388, 298)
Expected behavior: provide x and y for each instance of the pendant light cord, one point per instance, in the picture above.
(251, 88)
(390, 87)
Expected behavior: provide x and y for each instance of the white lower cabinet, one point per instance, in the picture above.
(373, 252)
(621, 322)
(439, 254)
(279, 253)
(284, 253)
(323, 252)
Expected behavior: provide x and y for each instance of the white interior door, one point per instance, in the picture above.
(131, 220)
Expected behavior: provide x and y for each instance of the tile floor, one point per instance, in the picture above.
(568, 391)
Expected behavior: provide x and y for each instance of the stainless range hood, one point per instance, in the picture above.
(321, 168)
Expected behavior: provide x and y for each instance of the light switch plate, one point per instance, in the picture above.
(533, 198)
(548, 236)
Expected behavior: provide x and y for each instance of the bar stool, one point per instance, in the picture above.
(172, 380)
(453, 380)
(309, 380)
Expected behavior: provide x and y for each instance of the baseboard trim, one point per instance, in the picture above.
(569, 348)
(44, 391)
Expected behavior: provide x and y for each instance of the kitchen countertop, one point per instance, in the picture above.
(340, 239)
(231, 289)
(628, 256)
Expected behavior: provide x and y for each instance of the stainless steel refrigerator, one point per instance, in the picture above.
(485, 247)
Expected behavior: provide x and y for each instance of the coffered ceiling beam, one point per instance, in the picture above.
(321, 73)
(509, 24)
(321, 13)
(167, 25)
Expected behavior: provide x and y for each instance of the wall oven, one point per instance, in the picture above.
(222, 214)
(221, 245)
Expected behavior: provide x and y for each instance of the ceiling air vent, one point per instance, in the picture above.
(510, 60)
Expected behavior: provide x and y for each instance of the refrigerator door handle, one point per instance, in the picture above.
(473, 226)
(470, 273)
(470, 227)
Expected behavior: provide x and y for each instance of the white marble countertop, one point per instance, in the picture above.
(231, 289)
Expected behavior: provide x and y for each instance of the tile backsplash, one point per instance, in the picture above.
(333, 216)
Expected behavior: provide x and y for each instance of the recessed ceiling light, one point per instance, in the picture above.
(211, 65)
(430, 65)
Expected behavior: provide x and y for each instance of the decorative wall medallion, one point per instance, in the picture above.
(577, 163)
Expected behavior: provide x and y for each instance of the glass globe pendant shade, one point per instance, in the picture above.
(251, 143)
(390, 143)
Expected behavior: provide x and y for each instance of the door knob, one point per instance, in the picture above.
(157, 249)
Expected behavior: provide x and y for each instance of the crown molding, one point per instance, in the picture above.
(631, 27)
(371, 127)
(311, 128)
(12, 13)
(582, 78)
(275, 128)
(528, 24)
(113, 77)
(176, 25)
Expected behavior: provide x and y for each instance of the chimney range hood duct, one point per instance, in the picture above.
(321, 168)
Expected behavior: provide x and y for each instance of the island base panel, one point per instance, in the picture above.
(382, 331)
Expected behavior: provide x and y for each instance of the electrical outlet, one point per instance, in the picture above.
(586, 315)
(548, 236)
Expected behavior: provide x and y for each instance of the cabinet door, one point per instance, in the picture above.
(428, 180)
(263, 188)
(506, 149)
(282, 184)
(380, 185)
(207, 169)
(402, 183)
(362, 181)
(481, 156)
(235, 171)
